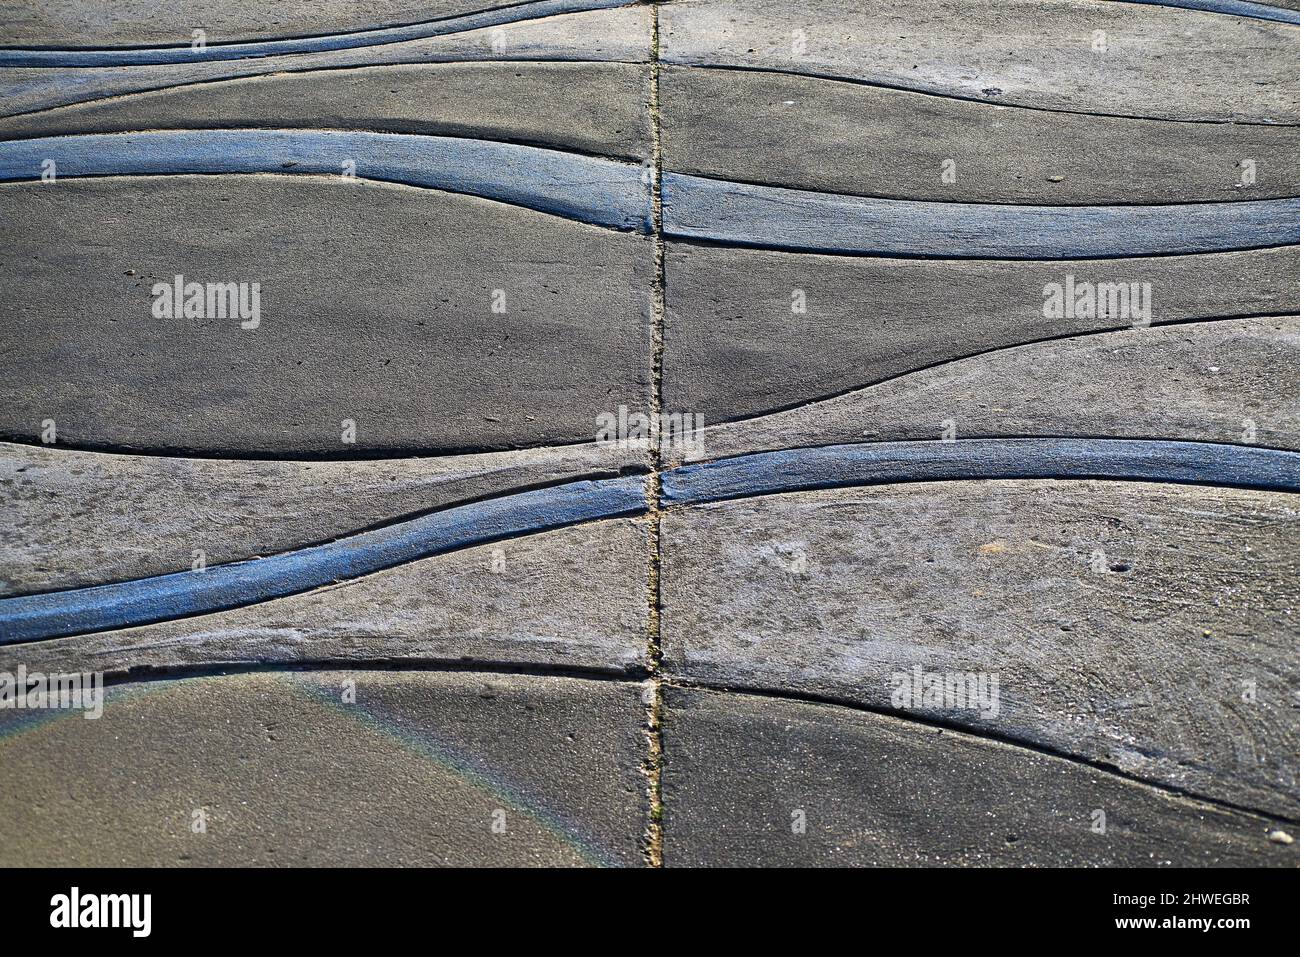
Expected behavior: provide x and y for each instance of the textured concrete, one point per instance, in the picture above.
(735, 348)
(938, 460)
(620, 34)
(1281, 11)
(1224, 381)
(741, 772)
(583, 188)
(574, 598)
(488, 290)
(1157, 62)
(349, 329)
(1123, 618)
(588, 107)
(70, 519)
(283, 772)
(771, 217)
(146, 22)
(819, 134)
(203, 591)
(200, 50)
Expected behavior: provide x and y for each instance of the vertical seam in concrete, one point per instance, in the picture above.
(654, 652)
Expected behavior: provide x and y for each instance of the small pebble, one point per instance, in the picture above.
(1280, 837)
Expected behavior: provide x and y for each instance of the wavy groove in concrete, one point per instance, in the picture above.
(619, 34)
(1235, 8)
(1182, 65)
(771, 217)
(956, 97)
(1205, 410)
(838, 466)
(775, 128)
(596, 191)
(152, 56)
(589, 107)
(182, 594)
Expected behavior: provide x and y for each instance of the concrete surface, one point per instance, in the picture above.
(573, 597)
(429, 353)
(743, 773)
(586, 107)
(1227, 380)
(1152, 62)
(1123, 618)
(735, 346)
(607, 35)
(417, 771)
(196, 47)
(843, 137)
(435, 370)
(145, 23)
(71, 519)
(770, 217)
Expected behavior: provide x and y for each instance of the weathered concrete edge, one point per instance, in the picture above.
(596, 191)
(1235, 8)
(1190, 800)
(182, 594)
(152, 56)
(839, 466)
(773, 217)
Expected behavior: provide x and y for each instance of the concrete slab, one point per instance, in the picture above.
(418, 316)
(143, 23)
(1113, 59)
(70, 33)
(605, 35)
(72, 519)
(772, 217)
(1139, 625)
(761, 781)
(1218, 381)
(421, 769)
(588, 107)
(570, 598)
(391, 470)
(736, 345)
(843, 137)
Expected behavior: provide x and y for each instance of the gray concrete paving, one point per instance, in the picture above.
(570, 598)
(144, 23)
(620, 34)
(755, 781)
(74, 519)
(421, 347)
(844, 137)
(588, 107)
(1113, 59)
(1223, 381)
(736, 346)
(418, 769)
(1145, 626)
(436, 370)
